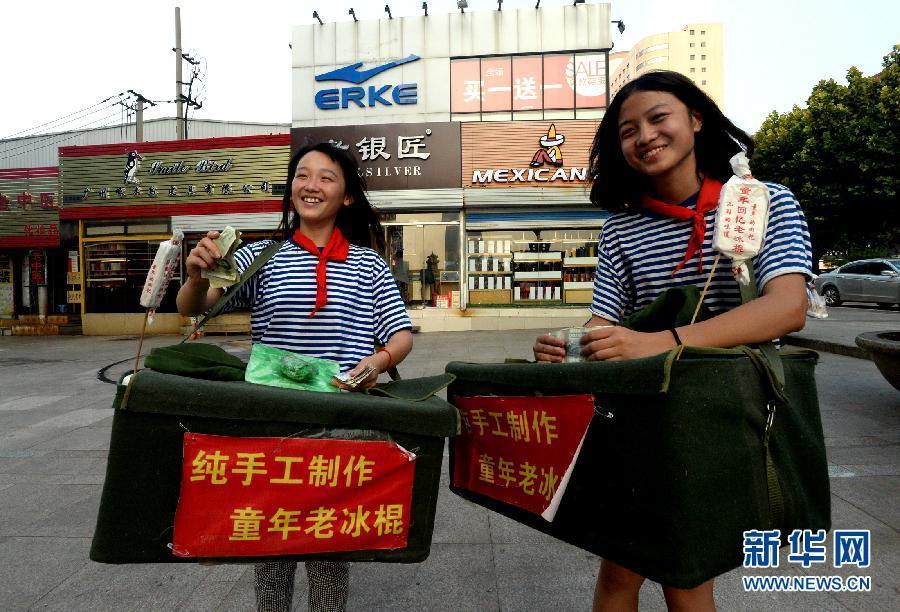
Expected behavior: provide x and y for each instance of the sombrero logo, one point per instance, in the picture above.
(363, 97)
(549, 154)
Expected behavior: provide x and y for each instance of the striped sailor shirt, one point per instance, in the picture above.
(639, 251)
(363, 303)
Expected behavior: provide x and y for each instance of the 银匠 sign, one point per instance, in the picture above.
(395, 155)
(291, 496)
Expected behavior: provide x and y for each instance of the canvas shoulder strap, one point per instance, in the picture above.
(252, 269)
(770, 353)
(748, 292)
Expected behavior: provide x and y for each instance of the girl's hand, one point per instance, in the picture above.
(375, 361)
(202, 256)
(548, 349)
(618, 343)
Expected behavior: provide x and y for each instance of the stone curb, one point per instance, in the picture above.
(827, 346)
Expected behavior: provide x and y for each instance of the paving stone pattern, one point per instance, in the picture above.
(54, 433)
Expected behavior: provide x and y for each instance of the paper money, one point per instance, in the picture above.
(354, 381)
(225, 273)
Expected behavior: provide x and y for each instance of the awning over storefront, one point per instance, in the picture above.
(417, 199)
(536, 219)
(519, 197)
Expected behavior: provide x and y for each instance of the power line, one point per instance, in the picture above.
(32, 140)
(67, 136)
(63, 117)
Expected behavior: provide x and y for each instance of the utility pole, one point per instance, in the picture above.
(139, 121)
(138, 109)
(191, 102)
(179, 123)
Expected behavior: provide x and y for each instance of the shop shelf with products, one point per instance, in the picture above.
(489, 267)
(106, 263)
(537, 274)
(579, 265)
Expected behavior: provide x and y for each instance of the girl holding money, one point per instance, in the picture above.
(325, 293)
(658, 162)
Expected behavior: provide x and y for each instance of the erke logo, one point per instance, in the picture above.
(332, 99)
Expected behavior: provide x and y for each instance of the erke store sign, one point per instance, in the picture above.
(371, 96)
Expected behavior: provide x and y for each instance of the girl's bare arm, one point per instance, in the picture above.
(780, 309)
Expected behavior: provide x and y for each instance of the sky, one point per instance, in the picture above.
(59, 57)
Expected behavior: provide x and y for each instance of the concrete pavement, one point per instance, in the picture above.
(836, 334)
(55, 417)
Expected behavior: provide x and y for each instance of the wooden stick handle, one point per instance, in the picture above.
(702, 297)
(137, 359)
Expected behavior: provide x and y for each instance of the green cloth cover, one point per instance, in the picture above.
(196, 359)
(412, 389)
(673, 308)
(673, 467)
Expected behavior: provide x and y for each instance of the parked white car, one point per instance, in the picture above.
(867, 280)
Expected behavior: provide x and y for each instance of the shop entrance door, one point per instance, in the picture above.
(424, 259)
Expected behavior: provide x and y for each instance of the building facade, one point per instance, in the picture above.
(32, 265)
(44, 236)
(510, 100)
(696, 52)
(472, 131)
(126, 198)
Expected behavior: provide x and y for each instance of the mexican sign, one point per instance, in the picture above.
(527, 153)
(289, 496)
(395, 155)
(520, 450)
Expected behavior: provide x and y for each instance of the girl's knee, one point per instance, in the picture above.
(699, 598)
(615, 578)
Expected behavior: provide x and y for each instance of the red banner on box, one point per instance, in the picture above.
(291, 496)
(520, 450)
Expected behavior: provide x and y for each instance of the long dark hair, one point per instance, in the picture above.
(616, 186)
(359, 221)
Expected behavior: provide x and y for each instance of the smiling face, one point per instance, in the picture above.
(318, 190)
(656, 132)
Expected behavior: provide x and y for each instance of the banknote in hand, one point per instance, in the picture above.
(225, 272)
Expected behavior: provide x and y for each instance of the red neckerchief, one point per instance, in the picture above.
(706, 201)
(337, 249)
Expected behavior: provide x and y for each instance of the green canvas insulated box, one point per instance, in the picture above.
(658, 464)
(239, 472)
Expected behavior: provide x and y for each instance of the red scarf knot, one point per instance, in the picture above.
(706, 201)
(337, 249)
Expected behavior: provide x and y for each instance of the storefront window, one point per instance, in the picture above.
(531, 267)
(115, 277)
(537, 86)
(423, 251)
